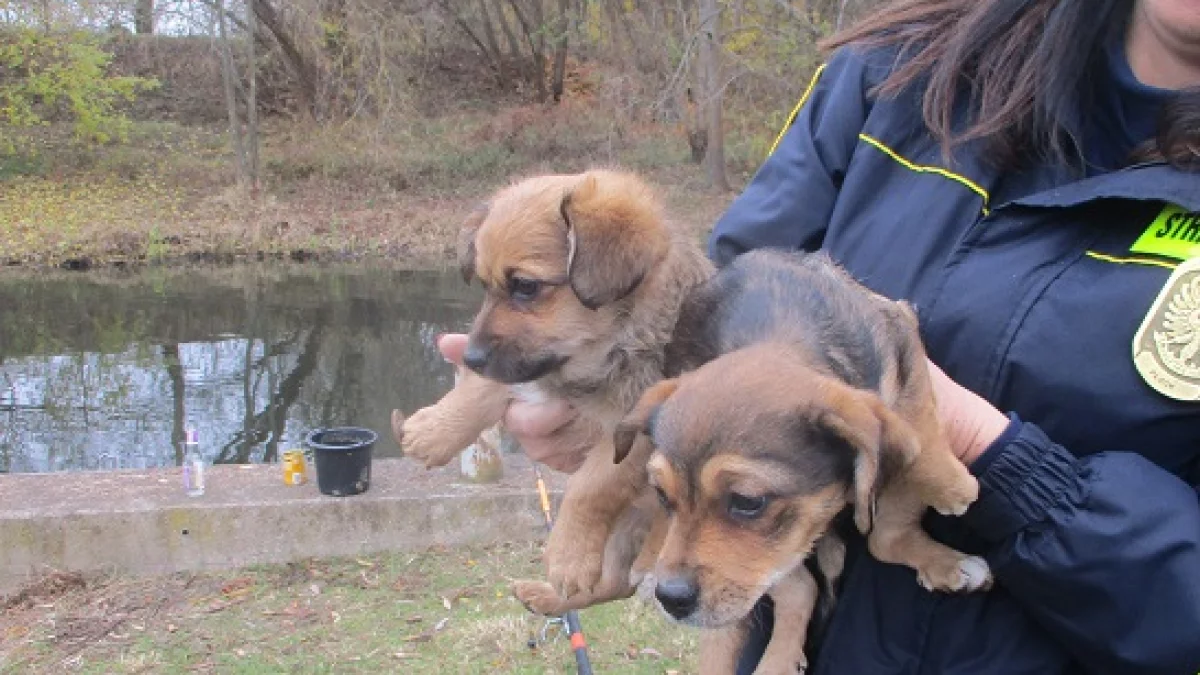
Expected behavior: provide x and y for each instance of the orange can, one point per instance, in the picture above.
(294, 470)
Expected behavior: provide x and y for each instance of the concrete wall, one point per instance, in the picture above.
(141, 522)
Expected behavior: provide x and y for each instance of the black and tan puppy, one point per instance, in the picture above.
(584, 278)
(810, 395)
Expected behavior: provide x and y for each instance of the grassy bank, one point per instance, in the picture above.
(396, 191)
(441, 611)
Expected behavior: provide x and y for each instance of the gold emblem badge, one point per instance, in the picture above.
(1166, 348)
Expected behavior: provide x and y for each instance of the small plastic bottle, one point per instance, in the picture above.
(193, 464)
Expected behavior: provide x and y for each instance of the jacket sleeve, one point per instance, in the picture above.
(1103, 550)
(788, 202)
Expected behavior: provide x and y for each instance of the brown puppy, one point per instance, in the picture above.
(584, 280)
(809, 393)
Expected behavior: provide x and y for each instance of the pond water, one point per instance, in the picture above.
(104, 371)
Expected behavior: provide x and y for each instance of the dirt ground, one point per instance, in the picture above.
(438, 611)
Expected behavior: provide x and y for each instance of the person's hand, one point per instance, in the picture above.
(550, 432)
(970, 423)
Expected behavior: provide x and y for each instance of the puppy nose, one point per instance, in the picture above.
(475, 357)
(679, 596)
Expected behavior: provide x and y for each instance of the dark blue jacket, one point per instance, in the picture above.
(1029, 293)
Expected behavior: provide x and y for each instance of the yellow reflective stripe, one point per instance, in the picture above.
(923, 168)
(1131, 260)
(796, 111)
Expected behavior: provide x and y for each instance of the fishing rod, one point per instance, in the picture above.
(570, 619)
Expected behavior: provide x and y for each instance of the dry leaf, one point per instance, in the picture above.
(235, 585)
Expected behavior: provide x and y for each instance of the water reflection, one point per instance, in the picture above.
(101, 372)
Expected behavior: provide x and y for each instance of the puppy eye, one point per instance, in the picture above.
(520, 288)
(744, 507)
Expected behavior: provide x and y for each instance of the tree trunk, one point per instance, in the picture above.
(709, 66)
(536, 39)
(228, 76)
(562, 32)
(252, 103)
(514, 49)
(489, 36)
(305, 72)
(143, 17)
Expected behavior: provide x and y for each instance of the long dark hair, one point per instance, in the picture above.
(1023, 67)
(1178, 139)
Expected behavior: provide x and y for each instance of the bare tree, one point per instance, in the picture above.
(143, 17)
(709, 76)
(561, 34)
(229, 82)
(252, 101)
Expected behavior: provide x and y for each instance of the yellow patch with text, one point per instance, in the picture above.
(1175, 233)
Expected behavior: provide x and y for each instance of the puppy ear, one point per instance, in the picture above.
(883, 444)
(615, 236)
(639, 420)
(466, 241)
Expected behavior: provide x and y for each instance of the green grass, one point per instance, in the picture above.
(441, 611)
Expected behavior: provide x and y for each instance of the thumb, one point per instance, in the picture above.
(452, 346)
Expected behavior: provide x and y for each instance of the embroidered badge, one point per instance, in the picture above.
(1166, 348)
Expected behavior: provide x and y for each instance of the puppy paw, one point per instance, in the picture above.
(574, 558)
(538, 597)
(955, 500)
(422, 437)
(962, 575)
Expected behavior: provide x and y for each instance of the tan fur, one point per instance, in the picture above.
(773, 419)
(614, 273)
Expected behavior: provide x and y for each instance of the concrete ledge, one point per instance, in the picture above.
(141, 522)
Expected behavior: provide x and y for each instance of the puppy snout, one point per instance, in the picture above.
(476, 357)
(679, 596)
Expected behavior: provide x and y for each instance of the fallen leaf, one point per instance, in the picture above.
(441, 624)
(234, 585)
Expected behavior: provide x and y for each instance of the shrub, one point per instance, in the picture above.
(45, 76)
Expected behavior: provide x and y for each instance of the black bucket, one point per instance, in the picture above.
(343, 459)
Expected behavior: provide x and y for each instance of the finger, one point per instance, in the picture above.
(452, 346)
